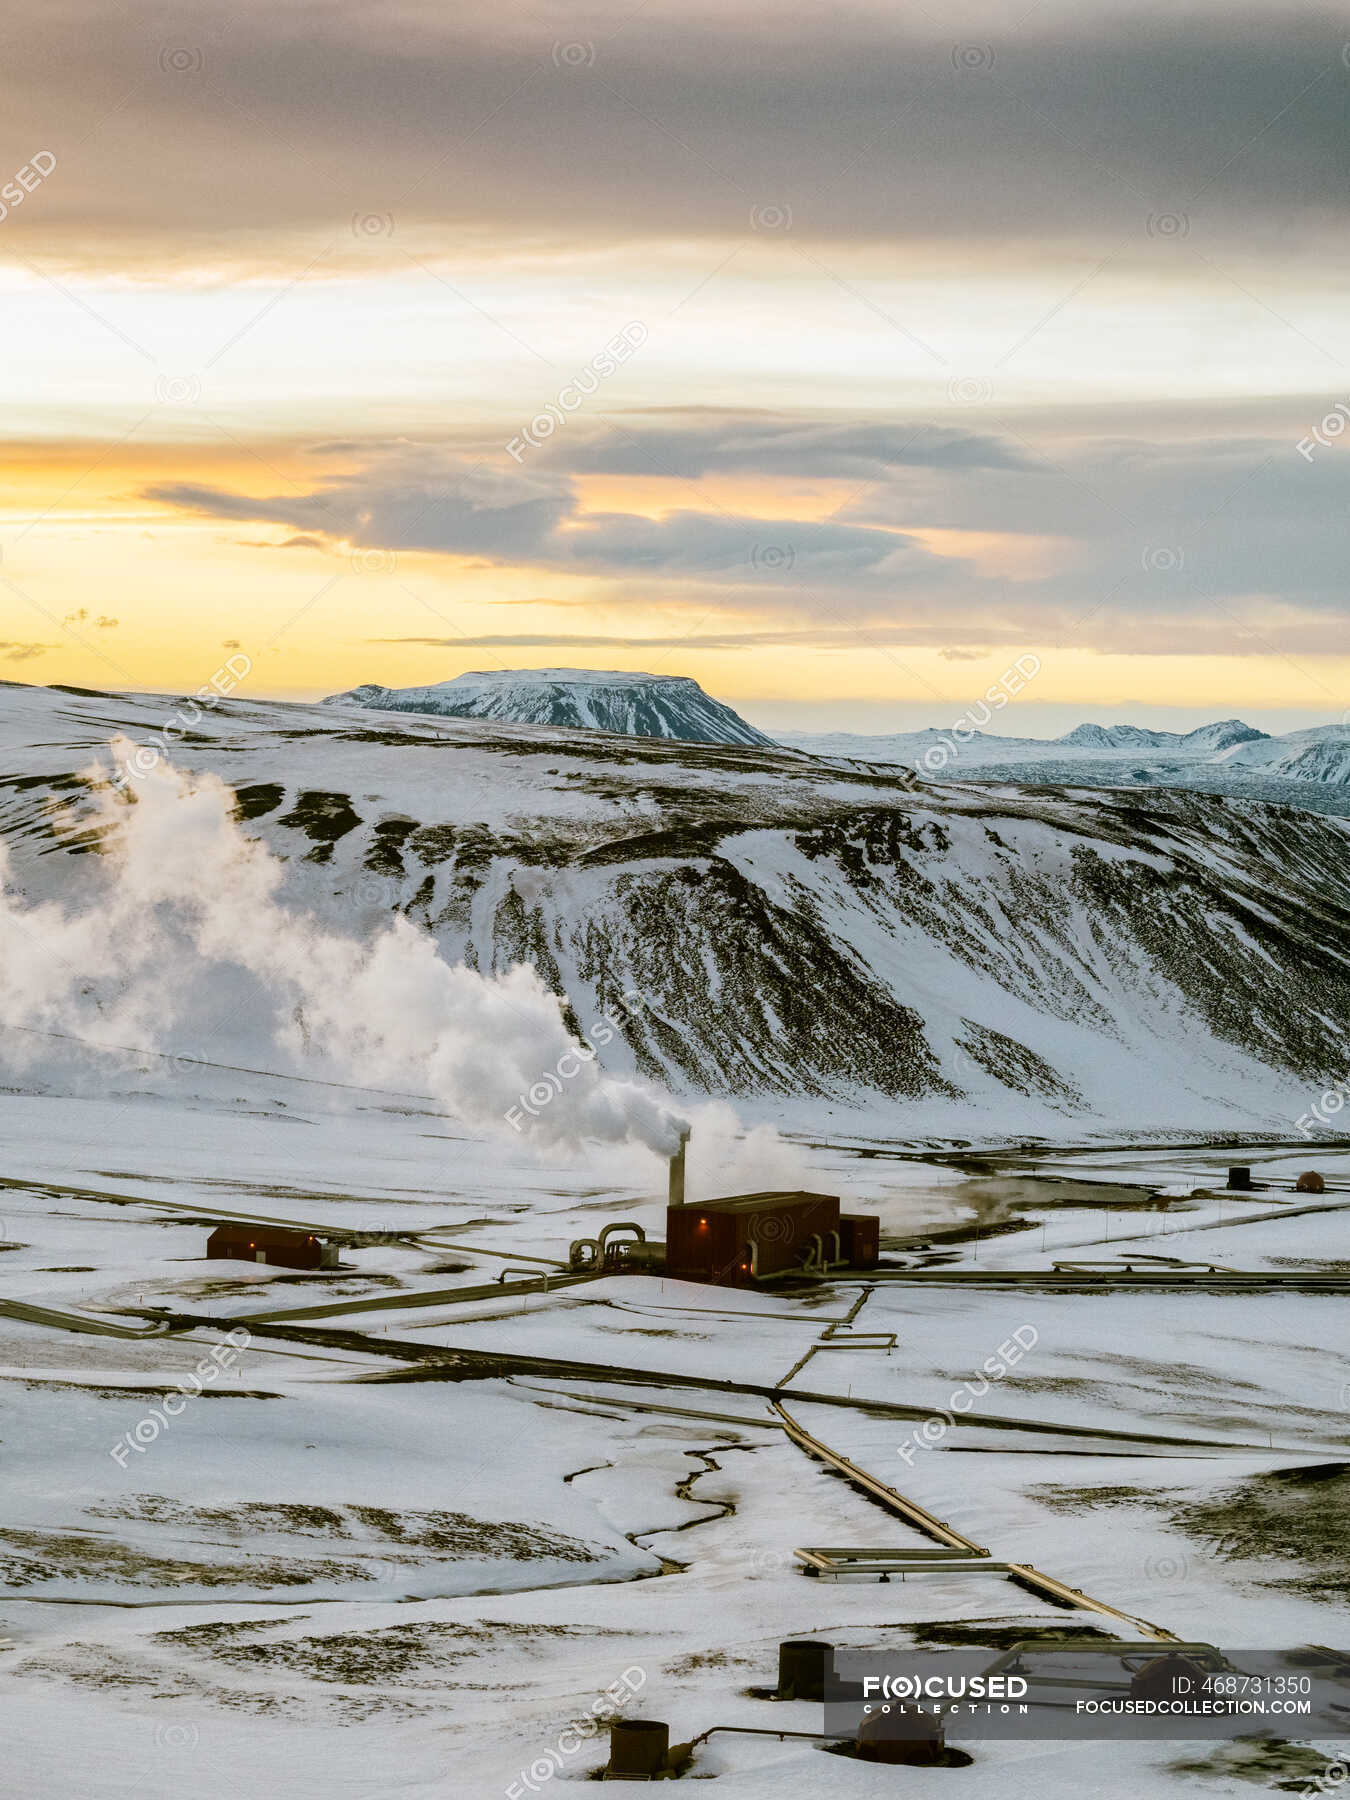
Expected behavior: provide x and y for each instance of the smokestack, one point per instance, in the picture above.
(677, 1172)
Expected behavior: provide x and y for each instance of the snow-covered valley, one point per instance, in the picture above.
(393, 1529)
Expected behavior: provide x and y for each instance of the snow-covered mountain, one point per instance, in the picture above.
(1322, 754)
(814, 935)
(1309, 769)
(637, 705)
(1219, 736)
(1115, 737)
(1223, 734)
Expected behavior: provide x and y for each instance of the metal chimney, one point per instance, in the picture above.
(676, 1197)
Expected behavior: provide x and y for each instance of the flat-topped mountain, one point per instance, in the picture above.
(634, 704)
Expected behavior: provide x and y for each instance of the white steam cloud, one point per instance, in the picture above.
(189, 896)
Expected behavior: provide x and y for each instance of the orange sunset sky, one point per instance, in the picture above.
(834, 357)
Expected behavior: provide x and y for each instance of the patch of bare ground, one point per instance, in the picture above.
(1271, 1763)
(1298, 1515)
(441, 1533)
(416, 1654)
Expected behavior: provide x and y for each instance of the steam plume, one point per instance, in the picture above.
(189, 895)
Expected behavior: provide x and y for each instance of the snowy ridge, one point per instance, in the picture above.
(976, 956)
(636, 705)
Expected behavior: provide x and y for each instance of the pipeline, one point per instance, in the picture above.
(1045, 1586)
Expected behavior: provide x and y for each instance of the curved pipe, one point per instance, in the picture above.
(529, 1274)
(620, 1225)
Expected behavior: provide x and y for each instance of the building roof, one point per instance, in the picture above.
(754, 1203)
(267, 1234)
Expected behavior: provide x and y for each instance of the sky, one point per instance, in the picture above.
(836, 355)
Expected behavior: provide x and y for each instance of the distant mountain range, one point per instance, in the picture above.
(636, 705)
(1220, 736)
(1309, 769)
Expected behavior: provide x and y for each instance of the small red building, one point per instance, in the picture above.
(745, 1238)
(274, 1244)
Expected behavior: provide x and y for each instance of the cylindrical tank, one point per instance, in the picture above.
(804, 1664)
(637, 1748)
(1240, 1178)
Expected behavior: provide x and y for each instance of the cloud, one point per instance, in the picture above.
(456, 507)
(14, 651)
(1192, 546)
(1173, 525)
(606, 123)
(304, 541)
(81, 616)
(734, 442)
(842, 638)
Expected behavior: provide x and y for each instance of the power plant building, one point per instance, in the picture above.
(746, 1238)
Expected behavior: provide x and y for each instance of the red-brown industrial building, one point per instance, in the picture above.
(272, 1244)
(747, 1238)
